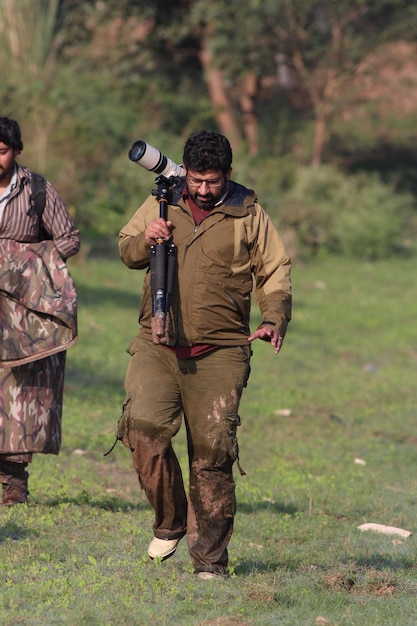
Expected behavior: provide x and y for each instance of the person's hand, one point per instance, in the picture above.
(268, 333)
(157, 229)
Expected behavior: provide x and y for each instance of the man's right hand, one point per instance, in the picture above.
(157, 229)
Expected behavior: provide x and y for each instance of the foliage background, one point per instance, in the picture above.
(317, 98)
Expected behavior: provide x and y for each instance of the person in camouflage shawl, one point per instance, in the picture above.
(38, 317)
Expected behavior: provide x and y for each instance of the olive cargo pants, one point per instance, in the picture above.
(206, 390)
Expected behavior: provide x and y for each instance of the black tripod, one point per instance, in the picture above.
(162, 268)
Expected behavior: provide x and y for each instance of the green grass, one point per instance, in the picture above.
(342, 389)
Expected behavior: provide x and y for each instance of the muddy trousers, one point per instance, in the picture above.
(206, 391)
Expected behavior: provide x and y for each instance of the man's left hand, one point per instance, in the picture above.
(268, 333)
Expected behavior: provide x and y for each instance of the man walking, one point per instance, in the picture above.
(225, 244)
(37, 314)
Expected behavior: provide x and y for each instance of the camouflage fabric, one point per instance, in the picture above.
(38, 322)
(31, 406)
(38, 314)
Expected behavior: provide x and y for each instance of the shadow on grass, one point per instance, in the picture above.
(276, 507)
(10, 530)
(360, 567)
(113, 505)
(256, 566)
(379, 562)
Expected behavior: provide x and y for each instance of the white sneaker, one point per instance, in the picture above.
(162, 548)
(209, 575)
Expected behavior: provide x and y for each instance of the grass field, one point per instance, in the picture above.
(328, 441)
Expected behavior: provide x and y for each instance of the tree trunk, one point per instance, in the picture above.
(324, 110)
(219, 97)
(247, 105)
(320, 138)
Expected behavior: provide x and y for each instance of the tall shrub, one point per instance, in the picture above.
(356, 215)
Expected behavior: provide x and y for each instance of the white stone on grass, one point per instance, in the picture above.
(387, 530)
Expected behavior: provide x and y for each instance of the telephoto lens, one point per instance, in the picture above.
(153, 160)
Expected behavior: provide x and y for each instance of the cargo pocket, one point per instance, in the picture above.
(122, 431)
(233, 421)
(122, 426)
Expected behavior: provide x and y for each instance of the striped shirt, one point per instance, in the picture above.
(17, 222)
(6, 193)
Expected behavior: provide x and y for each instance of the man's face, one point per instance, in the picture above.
(7, 158)
(206, 188)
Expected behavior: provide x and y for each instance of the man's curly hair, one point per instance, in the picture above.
(207, 150)
(10, 133)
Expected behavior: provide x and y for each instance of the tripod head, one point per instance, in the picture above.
(162, 192)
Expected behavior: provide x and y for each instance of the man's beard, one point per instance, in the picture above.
(4, 173)
(208, 201)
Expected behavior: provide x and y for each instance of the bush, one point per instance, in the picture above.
(349, 215)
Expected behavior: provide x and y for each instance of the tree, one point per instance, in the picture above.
(29, 63)
(318, 43)
(218, 36)
(229, 55)
(324, 43)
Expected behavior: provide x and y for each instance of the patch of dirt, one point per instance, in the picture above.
(265, 598)
(379, 584)
(339, 582)
(372, 583)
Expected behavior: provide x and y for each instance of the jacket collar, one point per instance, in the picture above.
(237, 202)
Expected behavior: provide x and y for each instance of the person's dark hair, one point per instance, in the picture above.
(207, 150)
(10, 133)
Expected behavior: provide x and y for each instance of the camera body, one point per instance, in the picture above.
(153, 160)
